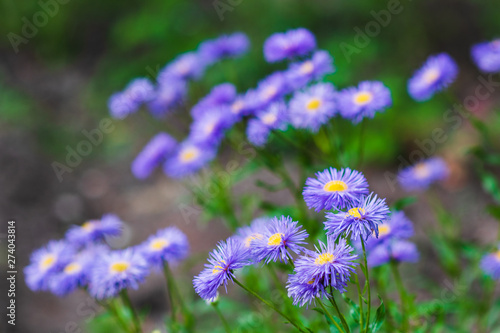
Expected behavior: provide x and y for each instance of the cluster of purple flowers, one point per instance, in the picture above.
(83, 260)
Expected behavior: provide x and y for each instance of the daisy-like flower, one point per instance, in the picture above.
(397, 250)
(187, 66)
(188, 159)
(303, 293)
(243, 105)
(368, 98)
(334, 189)
(300, 74)
(422, 175)
(229, 256)
(226, 46)
(361, 220)
(490, 264)
(314, 107)
(128, 101)
(222, 94)
(45, 263)
(246, 235)
(290, 44)
(486, 55)
(115, 271)
(397, 226)
(435, 75)
(273, 117)
(280, 236)
(270, 89)
(209, 128)
(153, 154)
(167, 245)
(109, 225)
(168, 95)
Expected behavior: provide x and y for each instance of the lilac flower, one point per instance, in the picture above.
(486, 55)
(138, 92)
(273, 117)
(313, 107)
(270, 89)
(167, 245)
(334, 189)
(209, 128)
(280, 236)
(490, 264)
(153, 154)
(94, 230)
(223, 261)
(290, 44)
(168, 95)
(220, 95)
(246, 235)
(243, 105)
(188, 159)
(422, 175)
(303, 293)
(369, 97)
(302, 73)
(397, 250)
(226, 46)
(187, 66)
(436, 74)
(397, 226)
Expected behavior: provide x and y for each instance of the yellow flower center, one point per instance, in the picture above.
(88, 226)
(269, 92)
(47, 261)
(269, 119)
(119, 267)
(431, 75)
(335, 186)
(356, 212)
(422, 170)
(219, 268)
(384, 229)
(189, 154)
(72, 268)
(313, 104)
(363, 97)
(311, 282)
(275, 239)
(324, 259)
(249, 239)
(159, 244)
(237, 106)
(497, 254)
(307, 67)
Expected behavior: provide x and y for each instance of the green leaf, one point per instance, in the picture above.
(379, 316)
(354, 308)
(404, 202)
(490, 185)
(494, 210)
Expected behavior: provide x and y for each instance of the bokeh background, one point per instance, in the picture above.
(55, 83)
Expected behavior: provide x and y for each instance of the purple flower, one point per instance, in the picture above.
(302, 73)
(280, 236)
(314, 107)
(209, 128)
(397, 226)
(168, 95)
(269, 90)
(303, 293)
(273, 117)
(188, 158)
(334, 189)
(220, 95)
(486, 55)
(436, 74)
(223, 261)
(226, 46)
(95, 230)
(187, 66)
(138, 92)
(361, 220)
(254, 231)
(153, 154)
(243, 105)
(490, 264)
(369, 97)
(397, 250)
(422, 175)
(167, 245)
(290, 44)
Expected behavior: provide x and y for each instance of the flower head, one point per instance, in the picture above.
(246, 235)
(223, 261)
(153, 154)
(167, 245)
(94, 230)
(188, 159)
(288, 45)
(280, 236)
(226, 46)
(115, 271)
(128, 101)
(362, 218)
(269, 90)
(273, 117)
(187, 66)
(397, 226)
(313, 107)
(368, 98)
(169, 93)
(490, 264)
(301, 73)
(486, 55)
(221, 95)
(436, 74)
(397, 250)
(422, 175)
(303, 293)
(334, 189)
(209, 128)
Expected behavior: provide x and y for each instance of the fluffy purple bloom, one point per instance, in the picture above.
(138, 92)
(226, 46)
(397, 226)
(490, 264)
(167, 245)
(334, 189)
(280, 236)
(209, 128)
(273, 117)
(368, 98)
(397, 250)
(243, 105)
(313, 107)
(270, 89)
(94, 230)
(188, 159)
(303, 293)
(486, 55)
(362, 218)
(290, 44)
(220, 95)
(435, 75)
(187, 66)
(300, 74)
(229, 256)
(115, 271)
(422, 175)
(153, 154)
(168, 95)
(249, 233)
(45, 263)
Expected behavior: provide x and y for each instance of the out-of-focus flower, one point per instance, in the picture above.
(167, 245)
(187, 66)
(188, 159)
(209, 128)
(225, 46)
(138, 92)
(168, 95)
(269, 90)
(486, 55)
(153, 154)
(397, 250)
(490, 264)
(397, 226)
(221, 95)
(422, 175)
(95, 230)
(273, 117)
(290, 44)
(300, 74)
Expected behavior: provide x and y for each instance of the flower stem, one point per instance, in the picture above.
(360, 296)
(269, 304)
(169, 291)
(173, 290)
(135, 317)
(341, 316)
(402, 293)
(221, 316)
(111, 307)
(368, 283)
(329, 315)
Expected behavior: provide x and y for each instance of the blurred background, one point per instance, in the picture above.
(60, 60)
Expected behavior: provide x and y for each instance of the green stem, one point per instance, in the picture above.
(135, 317)
(173, 290)
(402, 293)
(111, 307)
(360, 296)
(341, 316)
(368, 282)
(329, 315)
(221, 316)
(169, 291)
(269, 304)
